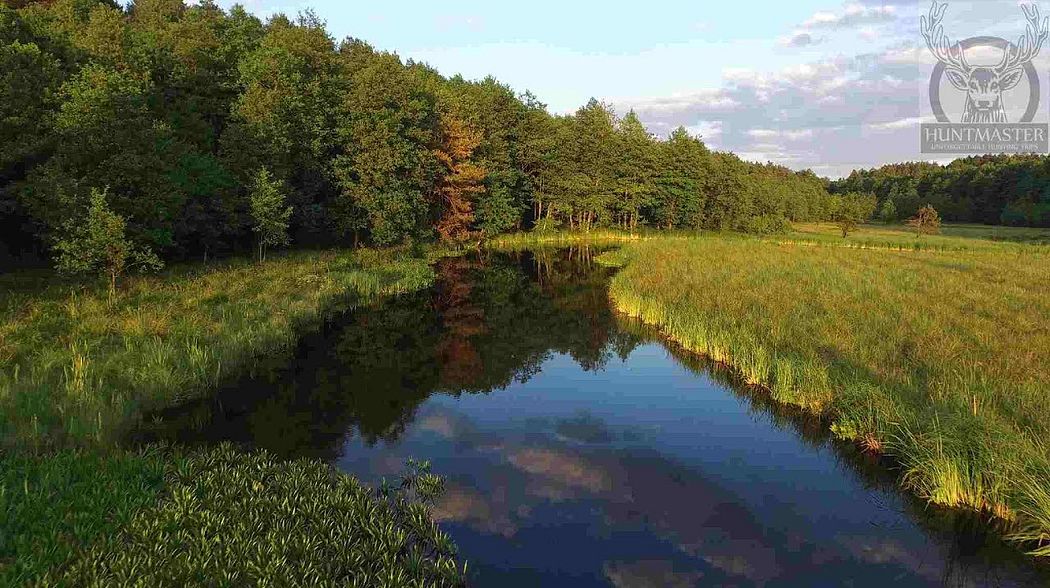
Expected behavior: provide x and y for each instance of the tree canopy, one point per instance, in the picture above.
(987, 189)
(173, 108)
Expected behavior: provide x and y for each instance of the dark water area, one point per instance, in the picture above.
(581, 449)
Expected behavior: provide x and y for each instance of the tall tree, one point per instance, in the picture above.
(461, 180)
(635, 178)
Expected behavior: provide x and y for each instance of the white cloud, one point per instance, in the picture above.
(799, 39)
(903, 123)
(830, 115)
(709, 131)
(852, 15)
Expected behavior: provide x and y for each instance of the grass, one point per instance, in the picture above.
(79, 370)
(533, 240)
(52, 505)
(938, 358)
(962, 238)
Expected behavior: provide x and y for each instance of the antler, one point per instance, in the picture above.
(1029, 44)
(950, 55)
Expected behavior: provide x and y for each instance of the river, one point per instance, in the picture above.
(581, 449)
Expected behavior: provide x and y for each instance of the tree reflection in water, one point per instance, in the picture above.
(492, 322)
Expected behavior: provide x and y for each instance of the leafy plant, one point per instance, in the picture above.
(270, 212)
(98, 244)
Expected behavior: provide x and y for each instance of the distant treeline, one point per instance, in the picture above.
(175, 109)
(989, 189)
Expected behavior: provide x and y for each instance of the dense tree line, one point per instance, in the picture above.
(174, 112)
(989, 189)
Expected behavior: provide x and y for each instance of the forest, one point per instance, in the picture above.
(173, 113)
(1009, 190)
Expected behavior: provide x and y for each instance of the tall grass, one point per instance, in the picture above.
(79, 368)
(961, 238)
(940, 359)
(78, 371)
(532, 240)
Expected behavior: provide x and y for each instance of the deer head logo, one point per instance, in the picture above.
(984, 85)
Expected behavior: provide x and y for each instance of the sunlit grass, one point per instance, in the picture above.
(940, 359)
(954, 237)
(530, 240)
(79, 368)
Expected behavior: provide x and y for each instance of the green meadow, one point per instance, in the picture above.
(934, 351)
(81, 368)
(931, 350)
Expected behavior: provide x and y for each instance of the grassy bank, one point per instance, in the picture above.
(940, 359)
(80, 370)
(533, 240)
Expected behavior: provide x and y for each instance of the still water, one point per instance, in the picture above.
(581, 449)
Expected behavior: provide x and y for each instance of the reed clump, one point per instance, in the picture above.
(940, 359)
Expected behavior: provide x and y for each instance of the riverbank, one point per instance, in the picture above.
(80, 370)
(938, 359)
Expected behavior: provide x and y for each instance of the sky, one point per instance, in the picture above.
(817, 84)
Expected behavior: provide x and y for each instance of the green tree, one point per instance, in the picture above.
(270, 212)
(851, 209)
(683, 174)
(888, 211)
(387, 137)
(98, 244)
(106, 135)
(635, 170)
(29, 78)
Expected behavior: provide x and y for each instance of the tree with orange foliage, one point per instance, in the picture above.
(462, 179)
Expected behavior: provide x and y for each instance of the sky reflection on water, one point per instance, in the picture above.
(581, 450)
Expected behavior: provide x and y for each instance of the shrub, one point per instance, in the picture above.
(98, 244)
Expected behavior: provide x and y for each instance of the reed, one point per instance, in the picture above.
(940, 359)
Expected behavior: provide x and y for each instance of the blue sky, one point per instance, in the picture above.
(823, 84)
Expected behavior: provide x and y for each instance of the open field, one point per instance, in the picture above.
(80, 369)
(940, 359)
(960, 237)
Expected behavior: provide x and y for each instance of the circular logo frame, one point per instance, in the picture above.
(985, 41)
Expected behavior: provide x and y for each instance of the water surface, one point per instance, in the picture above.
(581, 449)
